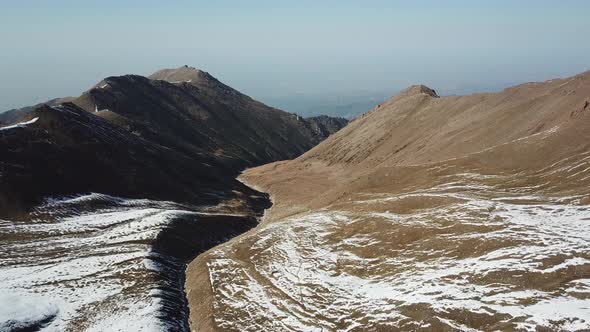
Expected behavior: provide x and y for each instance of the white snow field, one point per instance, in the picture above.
(85, 264)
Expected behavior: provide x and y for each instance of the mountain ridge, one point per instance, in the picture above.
(409, 216)
(205, 111)
(213, 125)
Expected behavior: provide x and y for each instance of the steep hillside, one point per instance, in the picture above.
(65, 150)
(417, 127)
(97, 224)
(426, 213)
(189, 110)
(161, 140)
(324, 126)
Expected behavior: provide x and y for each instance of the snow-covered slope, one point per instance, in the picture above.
(475, 264)
(103, 263)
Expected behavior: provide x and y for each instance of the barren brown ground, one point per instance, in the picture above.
(426, 213)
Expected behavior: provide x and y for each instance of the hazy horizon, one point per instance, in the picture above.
(277, 53)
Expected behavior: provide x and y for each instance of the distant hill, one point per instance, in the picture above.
(345, 106)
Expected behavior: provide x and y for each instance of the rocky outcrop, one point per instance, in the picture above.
(324, 126)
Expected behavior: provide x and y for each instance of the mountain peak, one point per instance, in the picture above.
(182, 74)
(419, 89)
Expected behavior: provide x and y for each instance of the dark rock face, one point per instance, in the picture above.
(139, 173)
(323, 125)
(137, 137)
(68, 150)
(201, 115)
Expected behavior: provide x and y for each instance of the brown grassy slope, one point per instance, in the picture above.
(530, 139)
(417, 128)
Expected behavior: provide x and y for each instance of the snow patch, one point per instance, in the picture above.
(20, 311)
(91, 254)
(310, 272)
(20, 124)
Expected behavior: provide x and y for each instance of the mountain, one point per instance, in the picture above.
(105, 198)
(425, 213)
(67, 150)
(189, 110)
(141, 137)
(98, 223)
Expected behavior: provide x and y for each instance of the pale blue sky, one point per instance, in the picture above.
(271, 49)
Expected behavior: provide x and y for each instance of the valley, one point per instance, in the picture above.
(176, 203)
